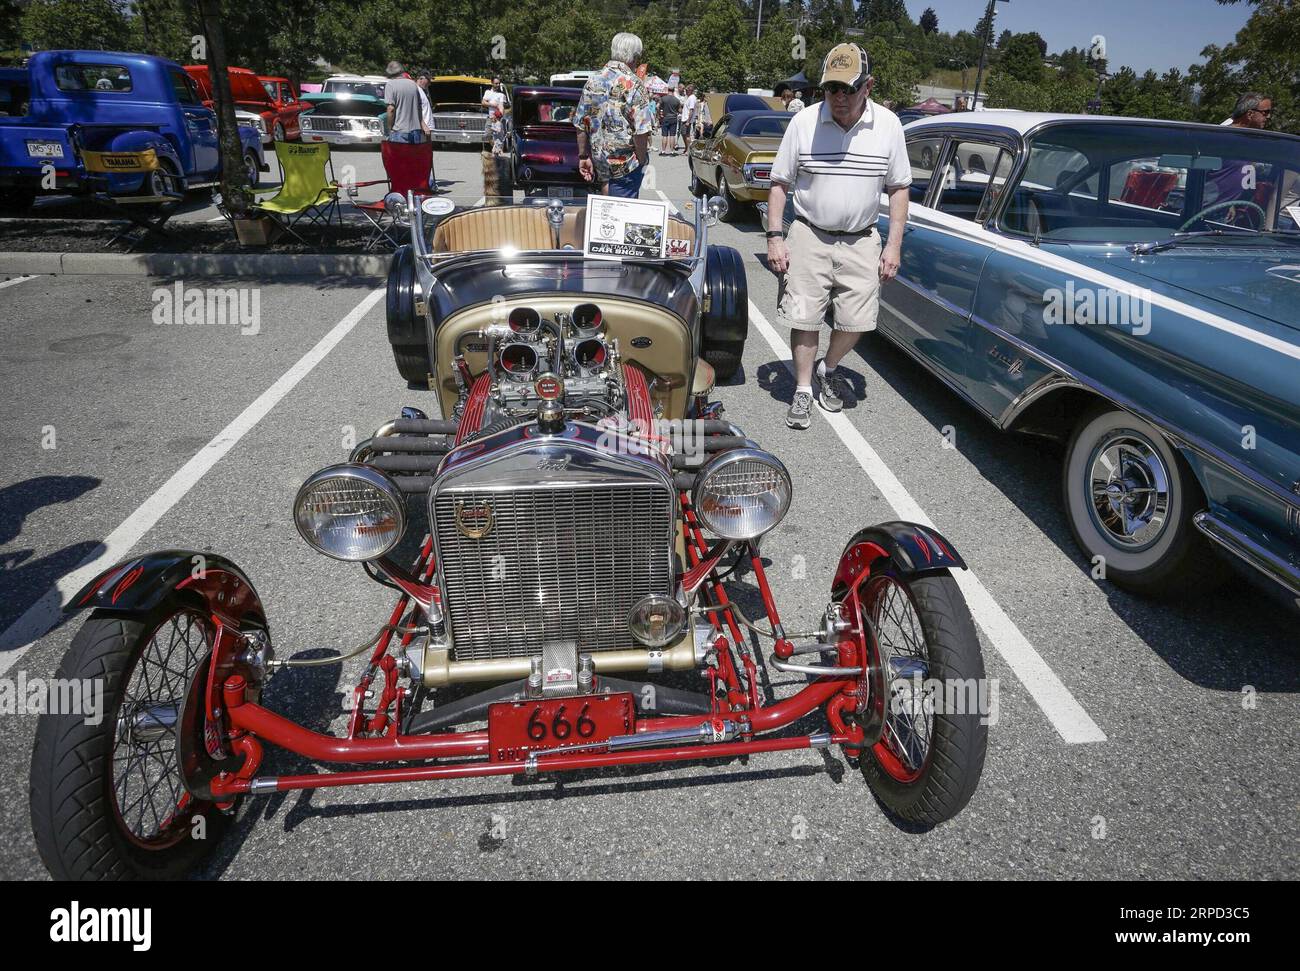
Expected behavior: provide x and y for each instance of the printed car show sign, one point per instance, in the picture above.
(619, 228)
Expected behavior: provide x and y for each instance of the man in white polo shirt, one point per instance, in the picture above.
(837, 157)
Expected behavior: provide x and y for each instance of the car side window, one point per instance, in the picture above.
(975, 172)
(184, 88)
(923, 154)
(92, 77)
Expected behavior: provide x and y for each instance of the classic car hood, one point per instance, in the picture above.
(1258, 280)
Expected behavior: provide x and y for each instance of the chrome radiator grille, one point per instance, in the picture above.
(325, 123)
(460, 123)
(557, 564)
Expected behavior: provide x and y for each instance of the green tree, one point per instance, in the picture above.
(1022, 58)
(715, 49)
(772, 58)
(1263, 57)
(89, 24)
(929, 21)
(895, 72)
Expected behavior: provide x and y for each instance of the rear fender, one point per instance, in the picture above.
(139, 585)
(908, 548)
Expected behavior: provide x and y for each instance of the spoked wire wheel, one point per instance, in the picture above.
(924, 760)
(108, 798)
(149, 794)
(905, 744)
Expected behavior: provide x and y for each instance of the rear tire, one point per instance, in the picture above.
(78, 769)
(725, 325)
(406, 330)
(1147, 541)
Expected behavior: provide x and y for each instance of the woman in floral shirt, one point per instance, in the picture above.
(614, 120)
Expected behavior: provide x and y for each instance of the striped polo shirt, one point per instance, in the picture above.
(838, 175)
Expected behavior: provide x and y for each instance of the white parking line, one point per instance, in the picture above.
(15, 281)
(41, 616)
(1067, 716)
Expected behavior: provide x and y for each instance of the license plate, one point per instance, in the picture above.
(560, 192)
(44, 150)
(517, 728)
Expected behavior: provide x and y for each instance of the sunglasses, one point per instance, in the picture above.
(1264, 111)
(836, 88)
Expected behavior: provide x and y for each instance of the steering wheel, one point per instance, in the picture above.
(1227, 204)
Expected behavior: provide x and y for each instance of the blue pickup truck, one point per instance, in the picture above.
(125, 124)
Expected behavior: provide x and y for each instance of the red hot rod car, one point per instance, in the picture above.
(581, 505)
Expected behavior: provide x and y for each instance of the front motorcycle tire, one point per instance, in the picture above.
(927, 764)
(107, 799)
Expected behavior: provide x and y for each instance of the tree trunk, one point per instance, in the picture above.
(234, 180)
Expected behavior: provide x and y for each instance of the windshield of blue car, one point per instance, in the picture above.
(374, 90)
(1125, 183)
(770, 127)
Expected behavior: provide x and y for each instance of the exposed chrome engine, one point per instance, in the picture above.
(568, 358)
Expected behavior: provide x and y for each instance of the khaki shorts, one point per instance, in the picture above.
(830, 271)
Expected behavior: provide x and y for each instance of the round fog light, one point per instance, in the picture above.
(656, 620)
(350, 512)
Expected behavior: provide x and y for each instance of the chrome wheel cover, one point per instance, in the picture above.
(1129, 490)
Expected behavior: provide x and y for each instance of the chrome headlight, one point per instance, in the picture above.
(742, 493)
(395, 203)
(350, 512)
(656, 620)
(374, 125)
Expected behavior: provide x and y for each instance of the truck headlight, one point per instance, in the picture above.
(350, 512)
(742, 494)
(374, 125)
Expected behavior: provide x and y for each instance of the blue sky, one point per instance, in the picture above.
(1141, 34)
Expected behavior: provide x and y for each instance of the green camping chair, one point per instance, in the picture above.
(305, 192)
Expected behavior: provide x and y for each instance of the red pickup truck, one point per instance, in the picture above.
(270, 98)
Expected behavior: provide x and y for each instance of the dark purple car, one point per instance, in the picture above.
(544, 143)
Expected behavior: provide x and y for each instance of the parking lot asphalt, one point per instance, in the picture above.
(1165, 746)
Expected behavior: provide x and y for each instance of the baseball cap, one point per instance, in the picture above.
(847, 64)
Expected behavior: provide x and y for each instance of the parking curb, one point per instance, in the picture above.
(196, 264)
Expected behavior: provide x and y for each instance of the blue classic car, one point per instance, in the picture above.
(81, 121)
(1133, 288)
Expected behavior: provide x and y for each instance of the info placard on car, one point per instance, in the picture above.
(618, 228)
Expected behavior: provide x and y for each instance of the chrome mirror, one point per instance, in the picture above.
(716, 207)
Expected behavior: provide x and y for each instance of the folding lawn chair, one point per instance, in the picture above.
(409, 166)
(305, 192)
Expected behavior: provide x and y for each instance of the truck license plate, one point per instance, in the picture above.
(560, 192)
(516, 728)
(44, 150)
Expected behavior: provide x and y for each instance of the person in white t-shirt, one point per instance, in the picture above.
(835, 160)
(689, 114)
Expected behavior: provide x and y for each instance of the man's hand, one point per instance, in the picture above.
(587, 169)
(778, 255)
(890, 257)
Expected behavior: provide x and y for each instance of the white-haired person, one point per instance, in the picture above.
(614, 119)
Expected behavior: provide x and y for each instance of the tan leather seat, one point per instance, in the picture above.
(523, 227)
(679, 229)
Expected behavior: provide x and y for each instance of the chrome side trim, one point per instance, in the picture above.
(1040, 388)
(934, 298)
(1248, 551)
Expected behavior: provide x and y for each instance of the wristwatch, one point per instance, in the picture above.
(775, 234)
